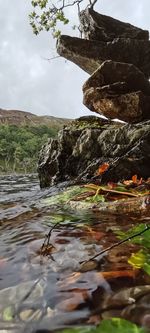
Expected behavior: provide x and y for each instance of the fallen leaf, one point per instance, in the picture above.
(78, 296)
(97, 235)
(102, 168)
(134, 179)
(118, 274)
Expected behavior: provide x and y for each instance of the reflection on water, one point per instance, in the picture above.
(24, 222)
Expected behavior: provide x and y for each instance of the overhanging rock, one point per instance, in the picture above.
(90, 54)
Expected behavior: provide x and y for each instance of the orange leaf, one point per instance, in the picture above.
(102, 168)
(134, 179)
(118, 274)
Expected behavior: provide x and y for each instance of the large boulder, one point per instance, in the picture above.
(90, 54)
(105, 28)
(118, 90)
(87, 143)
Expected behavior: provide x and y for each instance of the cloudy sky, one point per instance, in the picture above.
(30, 82)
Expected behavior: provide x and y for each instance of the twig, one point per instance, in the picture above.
(117, 244)
(98, 188)
(47, 237)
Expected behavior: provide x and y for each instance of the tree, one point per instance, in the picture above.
(20, 146)
(48, 15)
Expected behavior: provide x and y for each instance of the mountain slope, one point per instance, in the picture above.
(22, 118)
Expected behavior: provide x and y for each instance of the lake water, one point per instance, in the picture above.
(62, 294)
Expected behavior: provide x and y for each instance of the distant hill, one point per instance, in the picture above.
(22, 118)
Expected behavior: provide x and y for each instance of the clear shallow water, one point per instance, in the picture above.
(69, 294)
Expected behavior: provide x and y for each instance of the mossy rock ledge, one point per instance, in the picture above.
(70, 198)
(87, 143)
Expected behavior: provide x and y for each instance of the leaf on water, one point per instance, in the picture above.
(97, 235)
(118, 325)
(8, 314)
(137, 260)
(143, 239)
(77, 297)
(118, 274)
(140, 259)
(146, 267)
(113, 325)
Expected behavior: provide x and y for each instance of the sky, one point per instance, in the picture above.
(28, 81)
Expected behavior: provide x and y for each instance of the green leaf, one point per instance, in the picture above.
(143, 239)
(96, 198)
(8, 314)
(137, 260)
(118, 325)
(146, 268)
(114, 325)
(140, 259)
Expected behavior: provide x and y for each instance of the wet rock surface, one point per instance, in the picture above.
(87, 143)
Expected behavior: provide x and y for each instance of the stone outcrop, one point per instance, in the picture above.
(117, 56)
(105, 28)
(118, 90)
(82, 147)
(90, 54)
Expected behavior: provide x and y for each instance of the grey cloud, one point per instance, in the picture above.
(28, 81)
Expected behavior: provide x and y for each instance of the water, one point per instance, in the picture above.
(63, 293)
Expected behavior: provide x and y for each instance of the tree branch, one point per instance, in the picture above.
(116, 244)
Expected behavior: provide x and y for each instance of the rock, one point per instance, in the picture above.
(81, 148)
(90, 54)
(20, 304)
(118, 90)
(105, 28)
(132, 107)
(67, 199)
(126, 77)
(131, 304)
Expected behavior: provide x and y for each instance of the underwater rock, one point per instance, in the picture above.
(131, 303)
